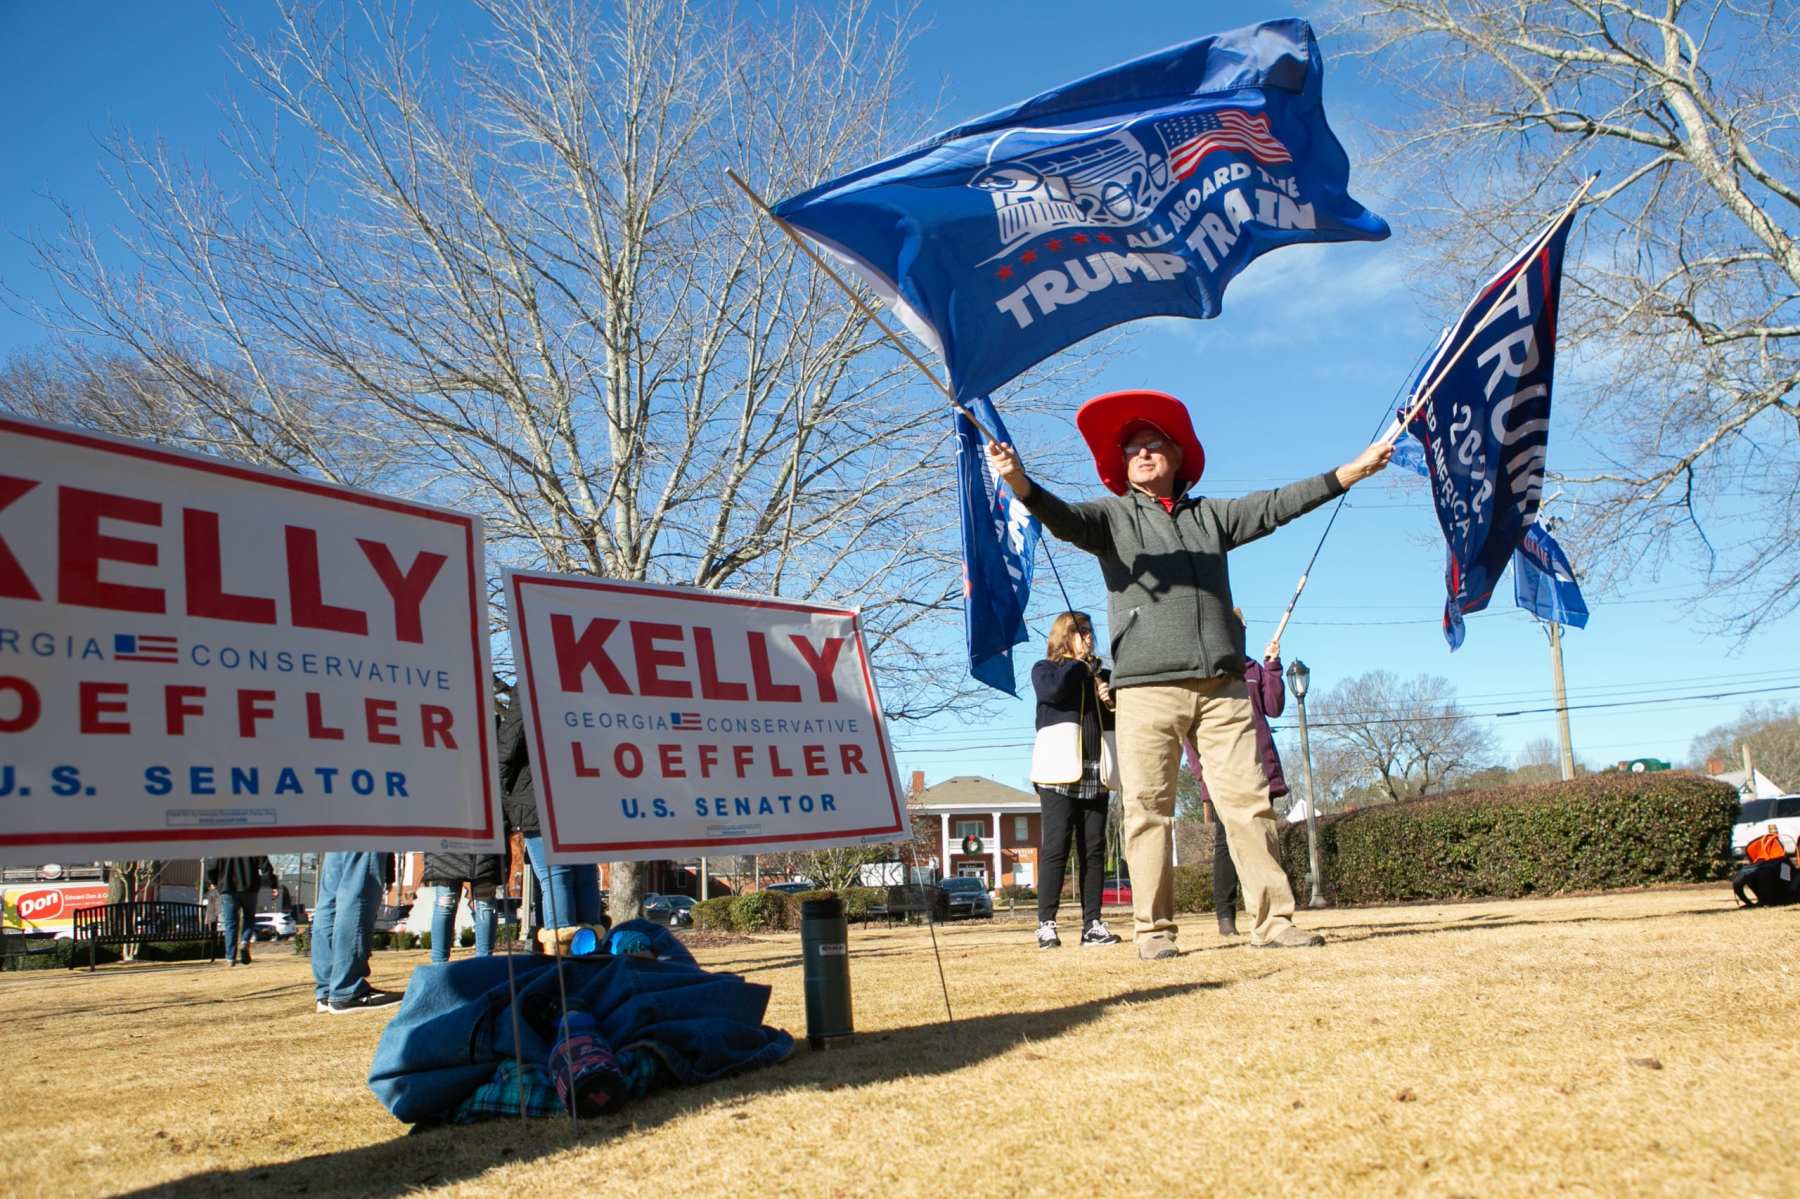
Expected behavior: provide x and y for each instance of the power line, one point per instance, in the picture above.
(1503, 715)
(1592, 691)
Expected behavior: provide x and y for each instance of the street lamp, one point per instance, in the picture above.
(1298, 676)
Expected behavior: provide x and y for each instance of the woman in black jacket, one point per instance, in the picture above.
(567, 895)
(448, 872)
(237, 880)
(1074, 710)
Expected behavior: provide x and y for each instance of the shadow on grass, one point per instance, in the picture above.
(1491, 922)
(442, 1156)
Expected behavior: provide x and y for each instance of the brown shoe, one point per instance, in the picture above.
(1156, 947)
(1289, 937)
(1228, 926)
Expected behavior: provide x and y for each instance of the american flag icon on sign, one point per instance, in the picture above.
(684, 720)
(145, 647)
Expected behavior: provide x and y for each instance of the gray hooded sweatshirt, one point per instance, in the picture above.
(1169, 605)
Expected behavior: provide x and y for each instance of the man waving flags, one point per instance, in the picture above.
(1138, 191)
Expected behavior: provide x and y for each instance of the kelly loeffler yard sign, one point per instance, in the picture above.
(665, 721)
(200, 658)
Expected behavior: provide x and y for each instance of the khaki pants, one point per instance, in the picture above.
(1153, 720)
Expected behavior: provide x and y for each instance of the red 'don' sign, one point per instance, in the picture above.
(40, 905)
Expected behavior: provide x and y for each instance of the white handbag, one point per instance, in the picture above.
(1056, 754)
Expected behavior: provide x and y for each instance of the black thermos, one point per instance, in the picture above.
(825, 951)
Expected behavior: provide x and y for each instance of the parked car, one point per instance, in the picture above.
(274, 926)
(672, 910)
(1756, 815)
(391, 918)
(968, 898)
(792, 888)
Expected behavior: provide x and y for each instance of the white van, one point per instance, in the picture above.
(1756, 815)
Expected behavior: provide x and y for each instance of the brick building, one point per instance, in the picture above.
(1004, 820)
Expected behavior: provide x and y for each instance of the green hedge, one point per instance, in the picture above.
(775, 911)
(1193, 889)
(1593, 833)
(62, 954)
(714, 914)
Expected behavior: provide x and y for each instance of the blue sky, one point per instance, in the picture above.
(1293, 378)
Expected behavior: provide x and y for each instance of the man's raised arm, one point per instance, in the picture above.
(1262, 512)
(1081, 525)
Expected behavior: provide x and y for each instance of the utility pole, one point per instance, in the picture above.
(1562, 701)
(1554, 629)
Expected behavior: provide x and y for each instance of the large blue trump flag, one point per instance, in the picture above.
(999, 547)
(1140, 191)
(1544, 582)
(1486, 427)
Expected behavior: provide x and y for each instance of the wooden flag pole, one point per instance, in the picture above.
(867, 311)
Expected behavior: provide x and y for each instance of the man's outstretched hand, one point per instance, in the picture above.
(1370, 461)
(1004, 461)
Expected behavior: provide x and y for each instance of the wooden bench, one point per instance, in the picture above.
(140, 922)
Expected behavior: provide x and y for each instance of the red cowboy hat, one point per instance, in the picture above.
(1105, 421)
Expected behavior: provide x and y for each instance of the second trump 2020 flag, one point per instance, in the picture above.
(1486, 426)
(1138, 191)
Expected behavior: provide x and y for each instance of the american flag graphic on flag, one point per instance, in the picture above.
(145, 647)
(1195, 135)
(684, 720)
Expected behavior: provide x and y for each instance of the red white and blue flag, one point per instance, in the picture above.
(684, 720)
(145, 647)
(1194, 135)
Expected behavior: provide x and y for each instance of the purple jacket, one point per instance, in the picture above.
(1268, 697)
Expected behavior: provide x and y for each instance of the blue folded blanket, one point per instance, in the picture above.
(457, 1023)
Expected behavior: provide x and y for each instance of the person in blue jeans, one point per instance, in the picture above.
(236, 880)
(343, 926)
(448, 872)
(570, 895)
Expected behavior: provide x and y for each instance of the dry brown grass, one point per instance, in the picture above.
(1481, 1049)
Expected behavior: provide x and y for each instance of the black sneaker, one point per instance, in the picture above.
(244, 956)
(1047, 938)
(1097, 933)
(365, 1001)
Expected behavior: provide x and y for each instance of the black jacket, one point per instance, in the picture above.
(518, 795)
(1065, 693)
(452, 868)
(238, 875)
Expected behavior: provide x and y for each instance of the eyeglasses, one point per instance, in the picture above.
(1153, 446)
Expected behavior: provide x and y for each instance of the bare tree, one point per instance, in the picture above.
(1682, 293)
(522, 283)
(1772, 731)
(1539, 761)
(1408, 737)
